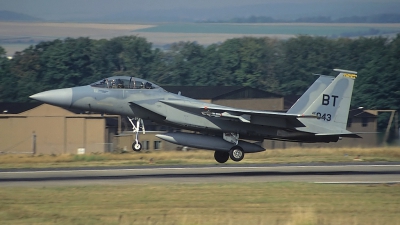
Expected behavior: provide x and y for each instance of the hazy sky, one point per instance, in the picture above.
(64, 9)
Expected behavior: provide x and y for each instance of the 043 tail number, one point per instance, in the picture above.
(323, 116)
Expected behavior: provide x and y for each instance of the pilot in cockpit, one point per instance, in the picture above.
(117, 83)
(148, 85)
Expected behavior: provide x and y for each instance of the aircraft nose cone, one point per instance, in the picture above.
(58, 97)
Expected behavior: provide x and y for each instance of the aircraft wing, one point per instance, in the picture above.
(223, 112)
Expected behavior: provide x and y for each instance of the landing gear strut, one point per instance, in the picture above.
(137, 146)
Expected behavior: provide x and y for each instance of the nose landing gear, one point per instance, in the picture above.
(137, 146)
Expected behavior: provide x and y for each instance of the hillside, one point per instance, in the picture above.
(13, 16)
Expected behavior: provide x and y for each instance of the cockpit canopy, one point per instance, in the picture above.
(124, 82)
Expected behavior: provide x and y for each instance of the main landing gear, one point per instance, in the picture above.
(236, 153)
(137, 146)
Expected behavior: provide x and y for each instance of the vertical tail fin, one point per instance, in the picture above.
(311, 94)
(332, 105)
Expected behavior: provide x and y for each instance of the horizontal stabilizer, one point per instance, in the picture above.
(349, 135)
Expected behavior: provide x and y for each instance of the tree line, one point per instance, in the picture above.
(279, 66)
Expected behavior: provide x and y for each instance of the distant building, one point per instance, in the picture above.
(49, 129)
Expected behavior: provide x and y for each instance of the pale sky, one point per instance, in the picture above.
(63, 9)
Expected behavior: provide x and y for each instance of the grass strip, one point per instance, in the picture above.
(229, 203)
(291, 155)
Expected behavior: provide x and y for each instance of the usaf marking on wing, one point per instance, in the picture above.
(320, 115)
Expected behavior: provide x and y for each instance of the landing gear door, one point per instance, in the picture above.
(231, 137)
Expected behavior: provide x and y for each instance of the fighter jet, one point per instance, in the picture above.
(320, 114)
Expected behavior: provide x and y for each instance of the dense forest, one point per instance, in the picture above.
(281, 66)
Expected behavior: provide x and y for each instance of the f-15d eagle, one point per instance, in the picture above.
(320, 115)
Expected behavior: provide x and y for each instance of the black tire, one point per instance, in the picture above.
(136, 146)
(236, 153)
(221, 156)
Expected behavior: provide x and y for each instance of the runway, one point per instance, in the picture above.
(354, 173)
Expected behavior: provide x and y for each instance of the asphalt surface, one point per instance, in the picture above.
(353, 173)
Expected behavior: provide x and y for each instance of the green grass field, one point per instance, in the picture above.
(291, 155)
(239, 203)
